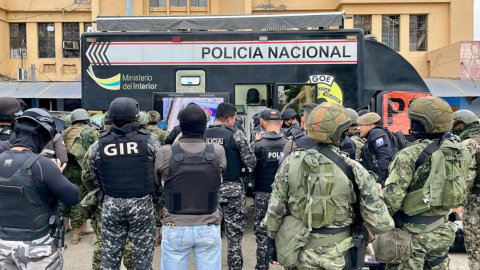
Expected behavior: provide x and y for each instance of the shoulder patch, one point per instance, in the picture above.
(379, 142)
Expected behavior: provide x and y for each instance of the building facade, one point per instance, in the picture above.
(46, 33)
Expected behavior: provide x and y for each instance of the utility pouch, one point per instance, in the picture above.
(416, 202)
(292, 236)
(393, 247)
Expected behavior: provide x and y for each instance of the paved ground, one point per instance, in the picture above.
(79, 257)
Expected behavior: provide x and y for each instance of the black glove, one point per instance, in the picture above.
(271, 250)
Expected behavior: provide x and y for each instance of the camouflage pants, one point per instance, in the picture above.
(429, 246)
(74, 174)
(471, 227)
(133, 217)
(97, 248)
(234, 208)
(27, 255)
(261, 206)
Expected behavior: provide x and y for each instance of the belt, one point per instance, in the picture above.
(436, 262)
(329, 239)
(330, 230)
(233, 180)
(432, 221)
(475, 190)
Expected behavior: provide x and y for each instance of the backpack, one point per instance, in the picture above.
(398, 140)
(253, 96)
(320, 188)
(445, 187)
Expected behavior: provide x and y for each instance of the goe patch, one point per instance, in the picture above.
(379, 142)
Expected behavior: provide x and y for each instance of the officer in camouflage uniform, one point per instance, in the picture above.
(354, 134)
(232, 191)
(268, 149)
(121, 164)
(78, 138)
(466, 126)
(432, 233)
(328, 243)
(93, 208)
(154, 117)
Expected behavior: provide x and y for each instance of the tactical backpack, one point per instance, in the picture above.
(445, 186)
(71, 136)
(253, 96)
(398, 140)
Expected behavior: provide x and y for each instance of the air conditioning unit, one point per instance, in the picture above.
(71, 45)
(91, 29)
(23, 74)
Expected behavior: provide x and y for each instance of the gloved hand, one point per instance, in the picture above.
(272, 251)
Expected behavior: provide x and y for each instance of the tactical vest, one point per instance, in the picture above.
(124, 168)
(70, 135)
(444, 187)
(5, 133)
(224, 136)
(23, 214)
(268, 152)
(319, 188)
(348, 147)
(193, 183)
(367, 155)
(304, 142)
(294, 131)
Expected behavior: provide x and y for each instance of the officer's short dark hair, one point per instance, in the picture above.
(225, 110)
(379, 123)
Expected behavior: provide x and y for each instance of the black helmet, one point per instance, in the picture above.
(10, 108)
(289, 114)
(39, 116)
(124, 109)
(238, 121)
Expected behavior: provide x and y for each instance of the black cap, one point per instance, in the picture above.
(193, 113)
(289, 114)
(256, 116)
(271, 114)
(10, 108)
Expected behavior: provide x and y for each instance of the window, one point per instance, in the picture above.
(86, 26)
(158, 3)
(418, 33)
(18, 40)
(178, 3)
(46, 40)
(363, 22)
(391, 31)
(198, 3)
(71, 42)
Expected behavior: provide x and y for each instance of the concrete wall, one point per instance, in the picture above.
(470, 57)
(445, 62)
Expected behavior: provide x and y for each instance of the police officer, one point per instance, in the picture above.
(268, 149)
(377, 151)
(354, 134)
(175, 132)
(9, 109)
(294, 216)
(291, 126)
(56, 149)
(32, 185)
(122, 164)
(78, 138)
(466, 126)
(239, 124)
(301, 140)
(425, 216)
(154, 117)
(257, 127)
(190, 173)
(232, 193)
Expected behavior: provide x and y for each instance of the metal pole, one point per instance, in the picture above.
(32, 73)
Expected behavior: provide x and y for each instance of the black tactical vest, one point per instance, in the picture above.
(304, 142)
(23, 214)
(219, 134)
(368, 159)
(294, 131)
(124, 168)
(193, 182)
(268, 152)
(349, 147)
(5, 133)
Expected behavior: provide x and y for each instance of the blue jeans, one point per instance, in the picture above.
(179, 241)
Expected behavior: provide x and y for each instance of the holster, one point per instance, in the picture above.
(355, 257)
(58, 230)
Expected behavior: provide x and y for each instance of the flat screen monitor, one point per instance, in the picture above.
(170, 104)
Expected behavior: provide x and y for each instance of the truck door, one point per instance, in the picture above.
(190, 81)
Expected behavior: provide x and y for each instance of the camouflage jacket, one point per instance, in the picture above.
(372, 208)
(74, 143)
(162, 134)
(470, 136)
(359, 143)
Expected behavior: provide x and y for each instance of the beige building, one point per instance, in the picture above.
(46, 33)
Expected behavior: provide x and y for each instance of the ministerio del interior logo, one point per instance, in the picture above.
(112, 83)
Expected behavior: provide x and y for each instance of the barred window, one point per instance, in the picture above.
(363, 22)
(391, 31)
(46, 40)
(178, 3)
(71, 40)
(198, 3)
(86, 26)
(418, 33)
(18, 40)
(158, 3)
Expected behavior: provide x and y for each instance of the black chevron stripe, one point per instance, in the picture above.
(105, 53)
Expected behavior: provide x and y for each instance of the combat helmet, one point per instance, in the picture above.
(41, 117)
(124, 109)
(79, 115)
(433, 113)
(327, 123)
(143, 118)
(464, 116)
(68, 120)
(353, 115)
(154, 117)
